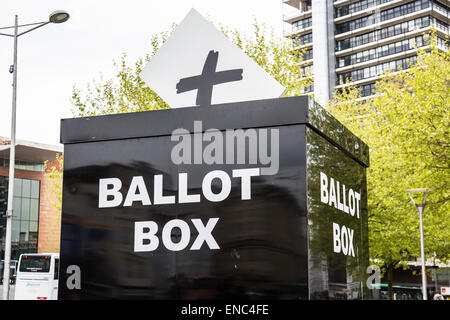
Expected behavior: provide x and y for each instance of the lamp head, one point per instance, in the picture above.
(59, 16)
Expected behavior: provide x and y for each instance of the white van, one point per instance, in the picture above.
(37, 277)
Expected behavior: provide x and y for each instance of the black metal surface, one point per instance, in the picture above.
(263, 241)
(335, 275)
(248, 114)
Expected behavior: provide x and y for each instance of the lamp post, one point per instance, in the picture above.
(56, 17)
(420, 208)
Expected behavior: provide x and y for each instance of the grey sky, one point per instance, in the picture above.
(55, 58)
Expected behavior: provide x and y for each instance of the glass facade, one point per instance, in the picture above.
(305, 5)
(367, 90)
(308, 55)
(383, 16)
(303, 39)
(374, 71)
(357, 6)
(24, 236)
(381, 51)
(301, 24)
(384, 33)
(23, 165)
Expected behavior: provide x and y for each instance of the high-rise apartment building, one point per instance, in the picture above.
(348, 40)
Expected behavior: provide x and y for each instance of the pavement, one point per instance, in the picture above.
(11, 292)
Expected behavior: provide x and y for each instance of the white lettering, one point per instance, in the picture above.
(323, 188)
(167, 235)
(159, 198)
(343, 240)
(351, 252)
(140, 234)
(340, 205)
(245, 175)
(332, 193)
(145, 238)
(104, 192)
(204, 234)
(137, 183)
(336, 238)
(351, 202)
(207, 184)
(343, 198)
(358, 198)
(183, 197)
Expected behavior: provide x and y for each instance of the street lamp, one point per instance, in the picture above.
(55, 17)
(420, 208)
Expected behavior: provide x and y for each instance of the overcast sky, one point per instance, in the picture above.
(56, 57)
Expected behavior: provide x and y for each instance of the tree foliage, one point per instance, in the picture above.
(53, 170)
(406, 126)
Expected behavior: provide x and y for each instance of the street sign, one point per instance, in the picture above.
(199, 66)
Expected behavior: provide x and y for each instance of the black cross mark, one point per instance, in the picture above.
(204, 83)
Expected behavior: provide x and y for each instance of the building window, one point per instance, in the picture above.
(308, 55)
(303, 39)
(391, 31)
(382, 51)
(23, 165)
(367, 90)
(305, 5)
(24, 235)
(375, 71)
(301, 24)
(383, 16)
(357, 6)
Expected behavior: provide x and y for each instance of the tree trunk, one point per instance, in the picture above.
(389, 275)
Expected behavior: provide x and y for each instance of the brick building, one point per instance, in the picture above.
(36, 221)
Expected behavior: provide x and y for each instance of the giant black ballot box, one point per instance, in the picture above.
(250, 200)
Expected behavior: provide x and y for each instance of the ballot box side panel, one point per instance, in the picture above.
(337, 216)
(262, 241)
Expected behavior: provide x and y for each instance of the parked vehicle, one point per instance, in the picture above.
(37, 277)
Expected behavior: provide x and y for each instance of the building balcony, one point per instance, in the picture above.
(292, 16)
(293, 33)
(381, 42)
(368, 11)
(370, 63)
(292, 3)
(340, 3)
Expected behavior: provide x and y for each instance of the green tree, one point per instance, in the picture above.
(127, 92)
(407, 128)
(53, 170)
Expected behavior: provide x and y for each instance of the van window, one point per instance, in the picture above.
(56, 275)
(35, 264)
